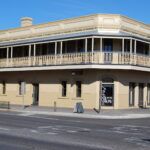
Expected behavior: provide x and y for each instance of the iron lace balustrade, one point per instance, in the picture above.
(78, 58)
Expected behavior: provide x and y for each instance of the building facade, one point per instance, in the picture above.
(101, 60)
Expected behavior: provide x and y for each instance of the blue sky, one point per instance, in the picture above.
(50, 10)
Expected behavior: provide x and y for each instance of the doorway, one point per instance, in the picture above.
(141, 94)
(108, 48)
(35, 94)
(107, 95)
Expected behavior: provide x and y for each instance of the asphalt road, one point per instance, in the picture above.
(25, 131)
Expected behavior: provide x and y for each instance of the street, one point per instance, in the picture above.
(29, 131)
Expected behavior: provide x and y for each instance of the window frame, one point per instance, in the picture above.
(20, 93)
(63, 89)
(148, 94)
(22, 88)
(132, 86)
(3, 87)
(78, 89)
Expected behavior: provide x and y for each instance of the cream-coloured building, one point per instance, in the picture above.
(101, 60)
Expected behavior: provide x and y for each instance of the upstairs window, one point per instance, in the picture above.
(108, 45)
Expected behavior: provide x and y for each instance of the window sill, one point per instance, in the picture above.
(131, 105)
(19, 95)
(3, 94)
(78, 98)
(63, 97)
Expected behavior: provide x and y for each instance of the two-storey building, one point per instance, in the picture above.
(101, 60)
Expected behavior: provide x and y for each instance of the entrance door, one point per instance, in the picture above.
(107, 97)
(141, 94)
(35, 94)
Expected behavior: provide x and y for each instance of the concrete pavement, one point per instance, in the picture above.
(104, 114)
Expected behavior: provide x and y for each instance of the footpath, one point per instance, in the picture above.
(104, 114)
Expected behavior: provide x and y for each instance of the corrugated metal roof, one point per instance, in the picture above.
(73, 35)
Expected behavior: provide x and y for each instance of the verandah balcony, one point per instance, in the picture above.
(116, 58)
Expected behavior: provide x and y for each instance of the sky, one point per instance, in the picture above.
(11, 11)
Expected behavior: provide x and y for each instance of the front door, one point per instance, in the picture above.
(141, 94)
(107, 95)
(35, 94)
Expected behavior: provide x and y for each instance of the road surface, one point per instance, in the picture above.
(28, 131)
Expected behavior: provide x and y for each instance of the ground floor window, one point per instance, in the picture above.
(131, 94)
(22, 87)
(148, 94)
(107, 95)
(3, 87)
(141, 94)
(78, 88)
(64, 88)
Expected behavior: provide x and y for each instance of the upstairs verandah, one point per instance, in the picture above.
(87, 50)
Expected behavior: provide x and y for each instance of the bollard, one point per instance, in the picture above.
(55, 107)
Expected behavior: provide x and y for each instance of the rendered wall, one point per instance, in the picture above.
(50, 87)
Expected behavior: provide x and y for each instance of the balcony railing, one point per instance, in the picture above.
(78, 58)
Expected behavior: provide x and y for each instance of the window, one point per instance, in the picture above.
(64, 88)
(20, 93)
(131, 94)
(78, 89)
(108, 45)
(3, 88)
(148, 94)
(141, 94)
(22, 88)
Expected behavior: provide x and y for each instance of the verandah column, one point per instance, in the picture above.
(61, 45)
(11, 56)
(34, 53)
(29, 56)
(55, 53)
(123, 55)
(135, 43)
(7, 62)
(92, 48)
(131, 51)
(101, 50)
(85, 50)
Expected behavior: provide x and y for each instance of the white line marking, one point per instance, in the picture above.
(44, 127)
(52, 133)
(1, 128)
(34, 131)
(71, 131)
